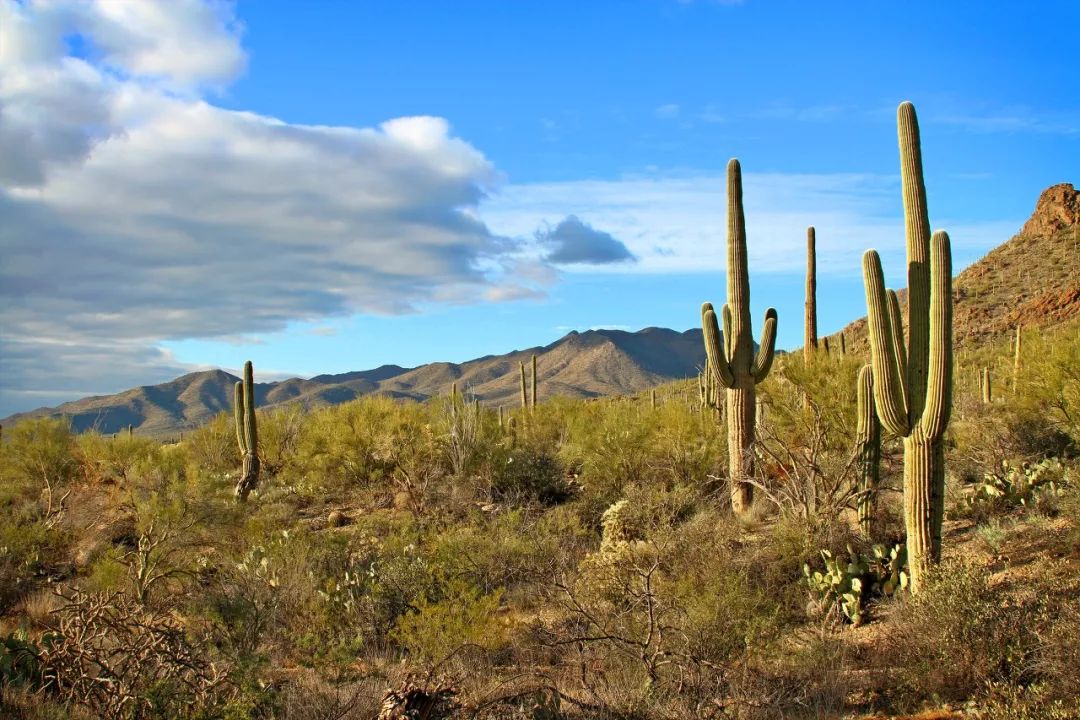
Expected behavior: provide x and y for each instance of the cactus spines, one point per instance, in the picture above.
(810, 338)
(731, 360)
(532, 400)
(247, 436)
(868, 449)
(913, 391)
(524, 388)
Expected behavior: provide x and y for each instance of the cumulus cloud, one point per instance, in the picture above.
(136, 211)
(575, 242)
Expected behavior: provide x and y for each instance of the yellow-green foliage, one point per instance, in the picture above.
(463, 618)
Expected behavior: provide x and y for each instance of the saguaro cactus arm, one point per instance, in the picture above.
(896, 324)
(238, 415)
(729, 333)
(766, 351)
(889, 393)
(714, 350)
(935, 414)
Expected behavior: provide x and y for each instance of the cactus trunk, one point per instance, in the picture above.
(985, 386)
(810, 338)
(1017, 354)
(868, 448)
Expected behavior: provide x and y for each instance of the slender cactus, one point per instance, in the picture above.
(731, 359)
(500, 417)
(810, 338)
(1017, 355)
(532, 400)
(247, 435)
(986, 390)
(825, 344)
(843, 344)
(913, 385)
(868, 450)
(524, 388)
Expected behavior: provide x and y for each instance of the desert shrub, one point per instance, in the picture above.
(956, 637)
(462, 617)
(529, 474)
(120, 459)
(280, 431)
(212, 448)
(119, 660)
(806, 438)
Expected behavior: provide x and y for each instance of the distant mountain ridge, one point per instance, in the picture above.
(585, 364)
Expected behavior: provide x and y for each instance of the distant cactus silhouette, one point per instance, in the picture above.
(731, 359)
(913, 384)
(247, 436)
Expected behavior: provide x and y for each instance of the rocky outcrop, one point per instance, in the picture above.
(1058, 207)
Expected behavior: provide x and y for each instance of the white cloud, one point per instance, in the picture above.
(135, 211)
(678, 224)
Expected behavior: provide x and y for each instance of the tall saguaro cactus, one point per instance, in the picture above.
(247, 436)
(731, 360)
(913, 385)
(810, 339)
(868, 450)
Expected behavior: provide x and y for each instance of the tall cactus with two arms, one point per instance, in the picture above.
(247, 436)
(731, 359)
(913, 385)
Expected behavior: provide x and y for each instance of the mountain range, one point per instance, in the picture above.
(581, 365)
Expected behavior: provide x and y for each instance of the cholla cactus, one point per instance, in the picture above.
(618, 526)
(731, 359)
(913, 384)
(247, 436)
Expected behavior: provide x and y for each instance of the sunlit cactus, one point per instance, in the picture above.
(868, 449)
(810, 339)
(731, 359)
(524, 388)
(247, 436)
(913, 384)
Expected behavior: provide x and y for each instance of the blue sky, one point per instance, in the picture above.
(353, 184)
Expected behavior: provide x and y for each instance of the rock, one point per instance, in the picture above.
(1058, 207)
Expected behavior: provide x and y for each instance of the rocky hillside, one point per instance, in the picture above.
(1030, 280)
(588, 364)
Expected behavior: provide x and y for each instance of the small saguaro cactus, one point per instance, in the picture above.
(1017, 357)
(731, 359)
(867, 449)
(986, 390)
(913, 384)
(532, 400)
(652, 398)
(810, 339)
(247, 436)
